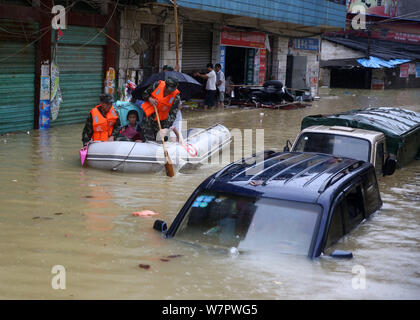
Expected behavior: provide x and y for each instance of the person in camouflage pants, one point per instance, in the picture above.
(148, 124)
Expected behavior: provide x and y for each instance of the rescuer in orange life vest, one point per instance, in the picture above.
(166, 97)
(102, 123)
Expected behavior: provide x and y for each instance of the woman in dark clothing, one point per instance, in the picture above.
(132, 131)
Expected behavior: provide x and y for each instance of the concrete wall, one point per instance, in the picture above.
(312, 67)
(319, 13)
(332, 51)
(279, 52)
(215, 54)
(130, 31)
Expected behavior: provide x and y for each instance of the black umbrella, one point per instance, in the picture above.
(187, 85)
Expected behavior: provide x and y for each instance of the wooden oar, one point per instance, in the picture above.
(168, 163)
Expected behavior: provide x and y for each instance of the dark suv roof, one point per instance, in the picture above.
(285, 175)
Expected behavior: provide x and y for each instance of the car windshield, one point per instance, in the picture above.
(338, 145)
(250, 224)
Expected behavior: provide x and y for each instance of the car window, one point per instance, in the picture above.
(379, 161)
(338, 145)
(336, 229)
(250, 224)
(371, 191)
(353, 212)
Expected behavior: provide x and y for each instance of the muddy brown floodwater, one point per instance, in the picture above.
(52, 212)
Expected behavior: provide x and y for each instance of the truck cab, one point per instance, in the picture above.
(359, 144)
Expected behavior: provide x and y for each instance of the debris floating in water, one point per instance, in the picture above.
(234, 251)
(144, 213)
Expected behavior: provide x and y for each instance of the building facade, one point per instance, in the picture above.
(379, 49)
(102, 44)
(253, 41)
(82, 51)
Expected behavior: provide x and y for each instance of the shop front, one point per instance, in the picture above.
(243, 56)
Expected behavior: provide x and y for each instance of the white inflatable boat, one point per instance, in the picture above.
(198, 146)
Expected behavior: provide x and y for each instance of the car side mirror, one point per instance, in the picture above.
(341, 254)
(160, 226)
(287, 148)
(389, 167)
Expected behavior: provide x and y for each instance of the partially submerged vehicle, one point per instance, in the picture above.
(197, 147)
(359, 144)
(285, 202)
(379, 135)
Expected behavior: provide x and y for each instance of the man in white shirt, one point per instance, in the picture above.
(220, 83)
(209, 100)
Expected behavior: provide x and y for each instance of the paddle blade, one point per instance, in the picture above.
(170, 172)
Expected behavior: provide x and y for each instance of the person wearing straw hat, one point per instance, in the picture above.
(165, 96)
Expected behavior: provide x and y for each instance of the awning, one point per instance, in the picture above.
(386, 50)
(375, 62)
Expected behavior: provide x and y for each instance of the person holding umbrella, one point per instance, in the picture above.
(165, 96)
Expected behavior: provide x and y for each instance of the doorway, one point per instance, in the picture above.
(235, 64)
(296, 72)
(149, 59)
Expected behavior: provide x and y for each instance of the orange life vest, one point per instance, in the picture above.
(102, 127)
(164, 103)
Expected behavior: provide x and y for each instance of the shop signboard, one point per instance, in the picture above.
(249, 77)
(404, 70)
(232, 37)
(256, 66)
(222, 57)
(263, 60)
(418, 70)
(412, 68)
(306, 44)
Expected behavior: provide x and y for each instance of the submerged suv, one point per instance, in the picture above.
(288, 202)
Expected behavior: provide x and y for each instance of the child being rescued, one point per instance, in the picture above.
(132, 130)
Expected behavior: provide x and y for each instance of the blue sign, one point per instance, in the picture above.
(222, 57)
(306, 44)
(44, 114)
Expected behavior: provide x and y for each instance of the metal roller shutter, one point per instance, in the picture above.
(80, 57)
(17, 75)
(196, 46)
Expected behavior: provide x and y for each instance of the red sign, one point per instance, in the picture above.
(404, 70)
(263, 60)
(231, 37)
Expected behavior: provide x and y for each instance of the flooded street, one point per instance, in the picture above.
(52, 212)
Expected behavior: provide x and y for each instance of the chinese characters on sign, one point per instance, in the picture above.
(232, 37)
(306, 44)
(404, 70)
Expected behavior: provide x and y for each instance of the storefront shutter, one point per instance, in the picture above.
(80, 57)
(17, 75)
(196, 46)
